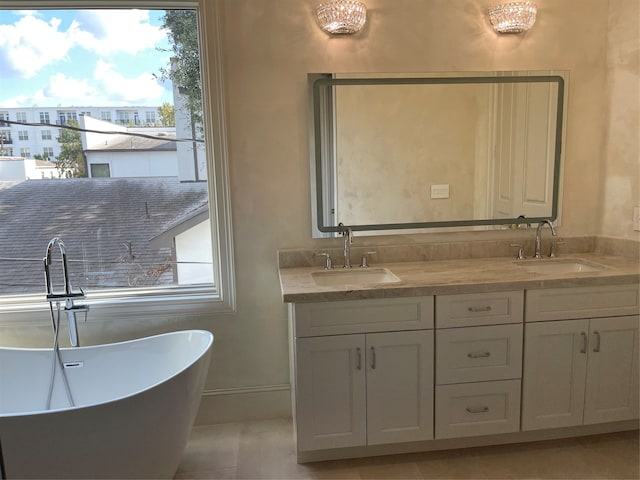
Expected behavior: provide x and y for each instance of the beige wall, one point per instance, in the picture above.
(269, 47)
(621, 159)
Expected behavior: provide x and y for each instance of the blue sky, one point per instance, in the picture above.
(82, 58)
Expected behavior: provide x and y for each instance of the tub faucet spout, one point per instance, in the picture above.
(68, 296)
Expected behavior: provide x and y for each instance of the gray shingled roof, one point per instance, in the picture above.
(97, 219)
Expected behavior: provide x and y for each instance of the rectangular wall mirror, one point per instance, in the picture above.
(408, 152)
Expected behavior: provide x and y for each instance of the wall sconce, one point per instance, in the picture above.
(514, 17)
(341, 16)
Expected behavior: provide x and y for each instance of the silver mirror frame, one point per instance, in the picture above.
(321, 145)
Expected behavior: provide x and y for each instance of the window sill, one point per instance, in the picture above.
(104, 305)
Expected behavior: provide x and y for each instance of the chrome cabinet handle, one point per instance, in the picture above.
(479, 354)
(373, 358)
(484, 409)
(358, 359)
(584, 342)
(597, 346)
(485, 308)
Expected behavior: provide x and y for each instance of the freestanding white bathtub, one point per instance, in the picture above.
(135, 404)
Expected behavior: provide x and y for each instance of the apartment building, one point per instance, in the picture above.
(27, 140)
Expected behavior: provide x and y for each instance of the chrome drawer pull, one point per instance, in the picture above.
(597, 347)
(584, 342)
(477, 409)
(359, 359)
(373, 358)
(479, 354)
(486, 308)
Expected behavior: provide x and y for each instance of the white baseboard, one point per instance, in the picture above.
(244, 403)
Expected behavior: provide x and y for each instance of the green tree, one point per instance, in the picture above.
(167, 115)
(184, 70)
(71, 162)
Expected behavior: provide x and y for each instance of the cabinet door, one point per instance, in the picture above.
(399, 386)
(612, 376)
(554, 374)
(331, 389)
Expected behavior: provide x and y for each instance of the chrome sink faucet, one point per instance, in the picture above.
(347, 233)
(539, 236)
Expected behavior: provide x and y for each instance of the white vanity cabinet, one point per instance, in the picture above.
(580, 356)
(475, 367)
(478, 363)
(363, 372)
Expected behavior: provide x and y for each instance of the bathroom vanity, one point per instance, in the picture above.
(456, 353)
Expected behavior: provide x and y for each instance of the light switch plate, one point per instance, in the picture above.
(440, 191)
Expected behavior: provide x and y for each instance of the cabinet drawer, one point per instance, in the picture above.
(476, 354)
(360, 316)
(471, 409)
(582, 302)
(470, 310)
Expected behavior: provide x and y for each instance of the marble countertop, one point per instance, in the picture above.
(443, 277)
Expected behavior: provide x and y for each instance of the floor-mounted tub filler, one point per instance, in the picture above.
(134, 405)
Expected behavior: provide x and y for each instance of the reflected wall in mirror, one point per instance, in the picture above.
(411, 152)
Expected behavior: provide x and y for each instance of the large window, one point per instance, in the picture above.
(130, 225)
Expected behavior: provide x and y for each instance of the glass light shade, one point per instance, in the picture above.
(514, 17)
(341, 16)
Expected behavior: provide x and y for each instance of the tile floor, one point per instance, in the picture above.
(266, 450)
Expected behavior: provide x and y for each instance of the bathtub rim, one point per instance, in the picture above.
(210, 338)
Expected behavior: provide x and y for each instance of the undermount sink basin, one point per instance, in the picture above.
(354, 276)
(560, 266)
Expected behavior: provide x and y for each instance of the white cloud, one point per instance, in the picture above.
(61, 86)
(59, 90)
(128, 89)
(31, 44)
(110, 31)
(24, 13)
(107, 88)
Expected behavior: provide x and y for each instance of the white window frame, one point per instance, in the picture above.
(46, 135)
(173, 300)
